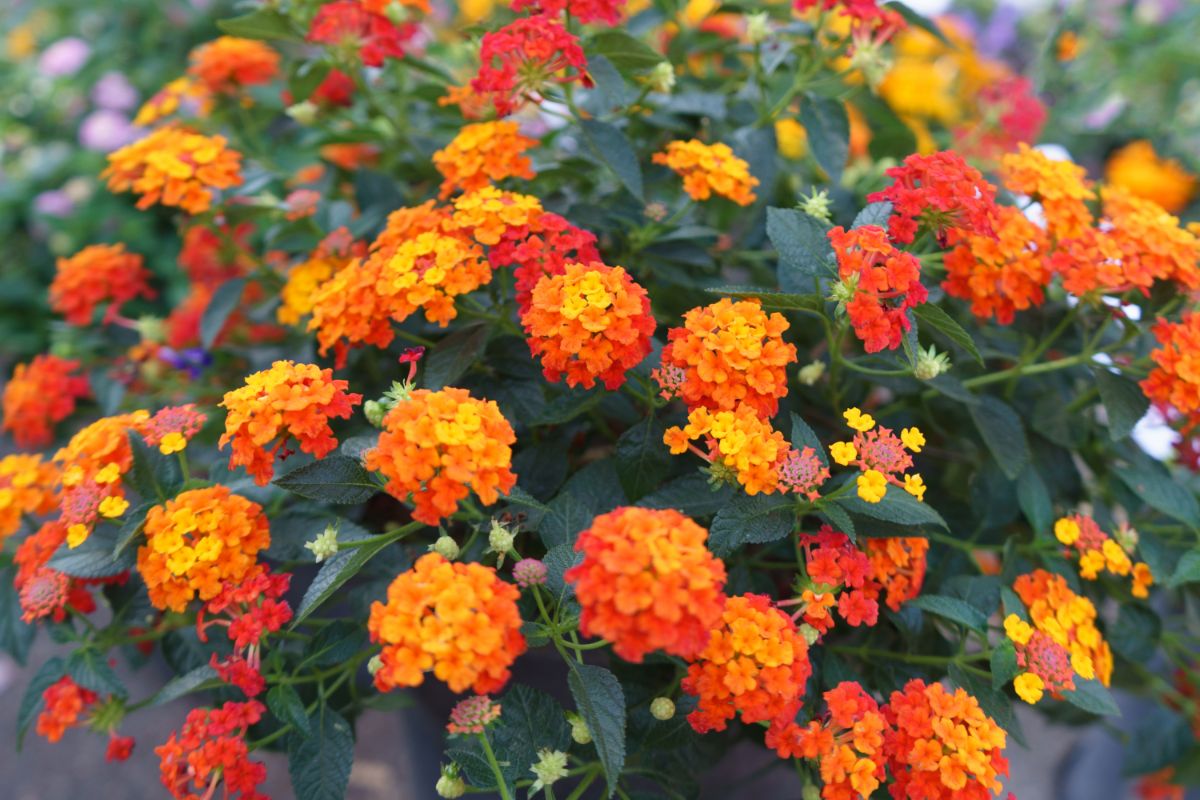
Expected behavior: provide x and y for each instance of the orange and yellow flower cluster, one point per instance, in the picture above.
(458, 620)
(647, 582)
(1174, 382)
(100, 274)
(1069, 620)
(709, 169)
(482, 154)
(882, 457)
(335, 252)
(1098, 552)
(28, 486)
(228, 64)
(38, 396)
(437, 447)
(740, 445)
(175, 167)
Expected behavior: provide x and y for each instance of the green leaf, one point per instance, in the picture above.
(95, 557)
(828, 128)
(613, 148)
(922, 22)
(90, 669)
(876, 214)
(153, 474)
(995, 704)
(897, 507)
(1003, 664)
(16, 636)
(839, 519)
(189, 682)
(31, 702)
(319, 762)
(642, 458)
(223, 303)
(1124, 402)
(1135, 633)
(558, 560)
(264, 23)
(569, 405)
(953, 609)
(307, 77)
(690, 494)
(627, 54)
(1186, 571)
(449, 359)
(532, 721)
(342, 567)
(1092, 697)
(954, 389)
(334, 479)
(286, 705)
(936, 317)
(601, 703)
(1034, 498)
(751, 520)
(773, 301)
(1003, 434)
(803, 436)
(609, 83)
(1158, 742)
(131, 528)
(1156, 488)
(803, 246)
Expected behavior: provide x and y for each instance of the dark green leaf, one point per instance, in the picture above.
(450, 358)
(90, 669)
(601, 703)
(839, 519)
(1003, 433)
(935, 317)
(690, 494)
(94, 558)
(1003, 664)
(613, 148)
(1034, 498)
(803, 436)
(337, 643)
(131, 529)
(1124, 402)
(153, 474)
(319, 762)
(922, 22)
(953, 609)
(773, 301)
(751, 520)
(876, 214)
(334, 479)
(828, 128)
(1135, 634)
(16, 636)
(627, 54)
(609, 83)
(1186, 571)
(559, 559)
(1092, 697)
(194, 681)
(568, 406)
(1156, 488)
(286, 705)
(898, 507)
(531, 721)
(642, 458)
(954, 389)
(307, 78)
(224, 302)
(265, 23)
(31, 702)
(341, 568)
(803, 246)
(1158, 742)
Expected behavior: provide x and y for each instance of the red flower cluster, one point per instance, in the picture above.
(518, 62)
(348, 26)
(940, 191)
(585, 11)
(881, 284)
(249, 610)
(210, 749)
(39, 395)
(544, 246)
(1009, 115)
(836, 571)
(97, 275)
(66, 702)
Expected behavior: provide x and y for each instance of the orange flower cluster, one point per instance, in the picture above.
(1174, 382)
(592, 322)
(429, 271)
(941, 746)
(176, 167)
(1060, 187)
(1097, 552)
(27, 487)
(199, 542)
(756, 664)
(65, 704)
(730, 354)
(488, 212)
(482, 154)
(1137, 169)
(102, 445)
(1068, 619)
(848, 746)
(227, 65)
(335, 252)
(898, 566)
(459, 620)
(210, 749)
(741, 446)
(39, 395)
(709, 169)
(438, 446)
(1002, 274)
(879, 285)
(647, 582)
(287, 401)
(881, 456)
(97, 274)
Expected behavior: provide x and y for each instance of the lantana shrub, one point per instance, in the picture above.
(726, 374)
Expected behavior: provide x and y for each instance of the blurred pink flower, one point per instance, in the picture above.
(64, 57)
(53, 203)
(104, 130)
(114, 91)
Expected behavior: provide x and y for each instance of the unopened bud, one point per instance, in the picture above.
(579, 729)
(810, 792)
(656, 211)
(151, 329)
(662, 77)
(500, 538)
(817, 205)
(449, 785)
(1126, 537)
(810, 634)
(325, 545)
(931, 363)
(868, 58)
(305, 113)
(374, 664)
(374, 411)
(811, 373)
(758, 27)
(844, 290)
(662, 708)
(445, 547)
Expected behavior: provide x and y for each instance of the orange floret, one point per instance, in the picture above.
(335, 252)
(941, 745)
(428, 271)
(592, 322)
(730, 353)
(1070, 620)
(97, 275)
(199, 542)
(181, 94)
(27, 487)
(898, 565)
(64, 704)
(1174, 382)
(458, 620)
(488, 213)
(228, 64)
(176, 167)
(740, 445)
(755, 664)
(404, 224)
(1060, 186)
(351, 309)
(439, 446)
(482, 154)
(97, 446)
(287, 401)
(709, 169)
(39, 395)
(647, 582)
(1002, 274)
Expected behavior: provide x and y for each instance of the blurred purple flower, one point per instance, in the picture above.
(53, 203)
(191, 360)
(64, 57)
(1001, 30)
(114, 91)
(1156, 12)
(104, 131)
(1106, 112)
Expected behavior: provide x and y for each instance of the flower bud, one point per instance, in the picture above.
(374, 664)
(662, 77)
(579, 729)
(151, 329)
(817, 205)
(374, 411)
(809, 633)
(1126, 537)
(844, 290)
(500, 538)
(662, 708)
(550, 768)
(449, 785)
(811, 373)
(758, 27)
(325, 545)
(305, 113)
(529, 572)
(445, 547)
(931, 363)
(656, 211)
(810, 792)
(868, 58)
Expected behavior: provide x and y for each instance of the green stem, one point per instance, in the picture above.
(495, 765)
